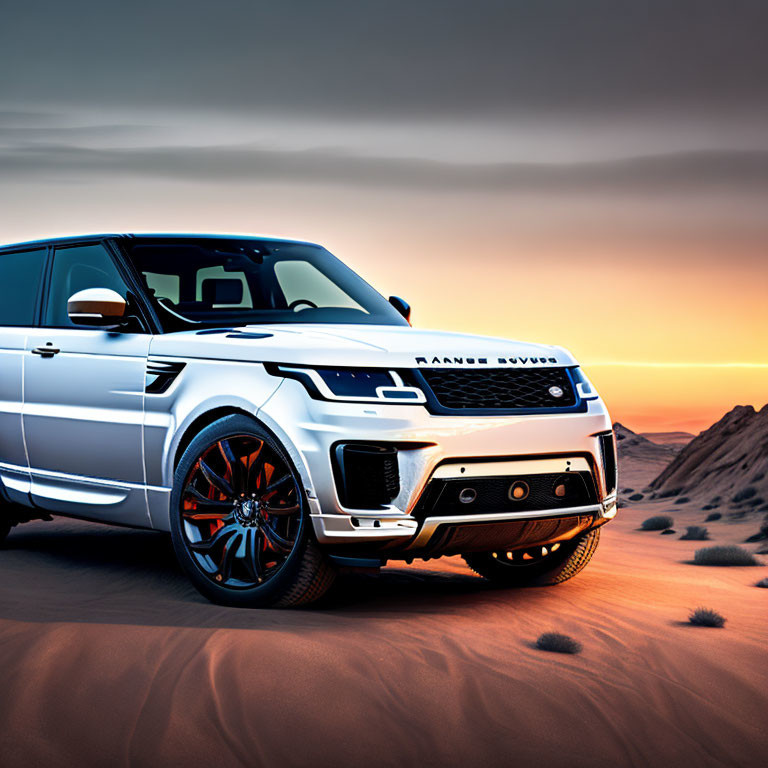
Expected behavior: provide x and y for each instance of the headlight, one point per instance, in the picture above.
(358, 385)
(584, 387)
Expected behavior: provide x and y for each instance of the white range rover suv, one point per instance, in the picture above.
(278, 416)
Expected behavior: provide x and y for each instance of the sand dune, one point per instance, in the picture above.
(110, 658)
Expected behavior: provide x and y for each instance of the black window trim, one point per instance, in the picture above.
(128, 271)
(148, 316)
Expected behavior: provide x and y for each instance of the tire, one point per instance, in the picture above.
(554, 568)
(214, 485)
(9, 516)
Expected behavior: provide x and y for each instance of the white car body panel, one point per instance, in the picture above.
(308, 428)
(360, 346)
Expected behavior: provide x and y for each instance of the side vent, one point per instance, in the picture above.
(608, 455)
(160, 375)
(367, 476)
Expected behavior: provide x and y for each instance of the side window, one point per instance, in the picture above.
(20, 275)
(75, 269)
(302, 281)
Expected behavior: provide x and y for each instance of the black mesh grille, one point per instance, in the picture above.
(500, 388)
(483, 495)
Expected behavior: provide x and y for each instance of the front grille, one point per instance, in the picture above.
(488, 495)
(500, 388)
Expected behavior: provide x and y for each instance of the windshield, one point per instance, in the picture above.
(197, 282)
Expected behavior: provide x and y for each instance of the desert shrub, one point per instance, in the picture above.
(706, 617)
(636, 497)
(755, 502)
(744, 494)
(695, 533)
(762, 583)
(668, 532)
(682, 500)
(558, 643)
(657, 523)
(758, 477)
(730, 555)
(670, 492)
(628, 490)
(712, 517)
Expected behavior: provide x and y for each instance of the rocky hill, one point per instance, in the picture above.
(675, 439)
(640, 460)
(725, 466)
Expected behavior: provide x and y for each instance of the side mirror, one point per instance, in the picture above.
(402, 306)
(97, 307)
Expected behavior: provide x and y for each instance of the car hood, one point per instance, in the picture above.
(356, 345)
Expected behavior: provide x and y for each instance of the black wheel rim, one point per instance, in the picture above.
(241, 512)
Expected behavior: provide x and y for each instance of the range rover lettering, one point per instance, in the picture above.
(282, 420)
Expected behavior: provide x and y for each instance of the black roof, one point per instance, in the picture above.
(150, 235)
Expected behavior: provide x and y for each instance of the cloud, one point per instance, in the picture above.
(664, 173)
(25, 134)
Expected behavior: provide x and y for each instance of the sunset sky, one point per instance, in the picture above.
(590, 174)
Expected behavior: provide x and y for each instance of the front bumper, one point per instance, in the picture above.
(501, 445)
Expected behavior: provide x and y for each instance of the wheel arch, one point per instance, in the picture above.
(203, 416)
(260, 417)
(205, 419)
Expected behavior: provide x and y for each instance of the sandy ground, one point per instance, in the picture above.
(110, 658)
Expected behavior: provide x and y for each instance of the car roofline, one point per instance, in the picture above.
(68, 239)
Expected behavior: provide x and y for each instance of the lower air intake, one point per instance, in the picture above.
(367, 476)
(518, 493)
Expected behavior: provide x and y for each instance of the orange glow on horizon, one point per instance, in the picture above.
(684, 397)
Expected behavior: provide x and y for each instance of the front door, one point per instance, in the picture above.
(20, 277)
(84, 401)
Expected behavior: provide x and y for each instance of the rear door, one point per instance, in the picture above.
(84, 399)
(20, 282)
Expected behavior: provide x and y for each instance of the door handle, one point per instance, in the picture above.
(46, 351)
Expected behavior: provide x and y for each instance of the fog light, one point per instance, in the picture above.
(468, 495)
(569, 486)
(518, 491)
